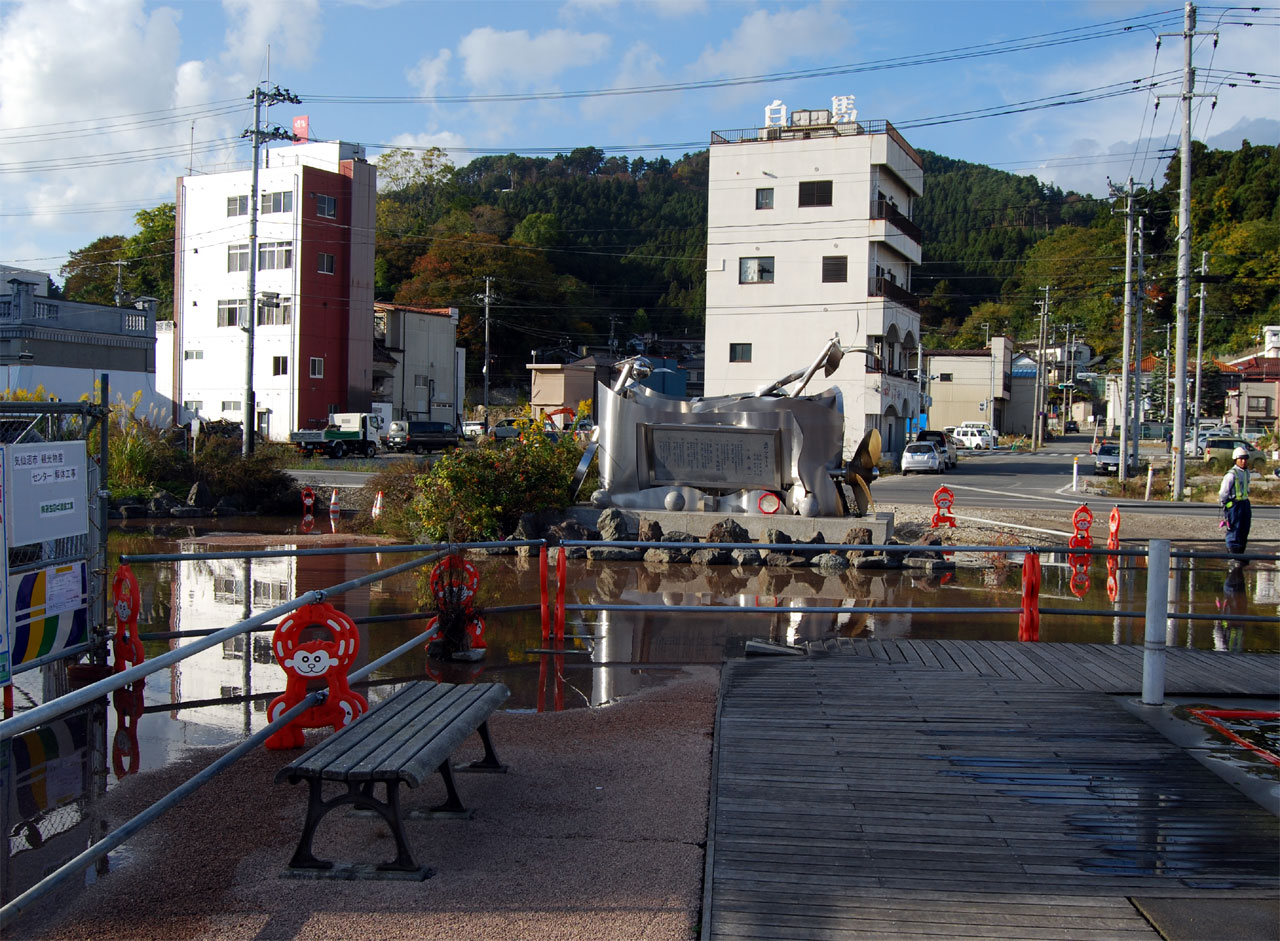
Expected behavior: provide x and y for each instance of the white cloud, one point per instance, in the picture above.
(494, 60)
(640, 65)
(766, 41)
(429, 74)
(289, 29)
(663, 9)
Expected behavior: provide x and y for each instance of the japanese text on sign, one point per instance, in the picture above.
(721, 457)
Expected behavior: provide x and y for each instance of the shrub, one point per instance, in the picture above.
(256, 482)
(479, 494)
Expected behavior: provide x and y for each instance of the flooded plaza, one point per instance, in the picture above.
(683, 615)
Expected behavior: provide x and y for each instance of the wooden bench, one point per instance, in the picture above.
(403, 739)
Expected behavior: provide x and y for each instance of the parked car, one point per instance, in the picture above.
(1106, 460)
(945, 443)
(509, 429)
(420, 436)
(974, 439)
(472, 429)
(1071, 428)
(922, 457)
(1215, 448)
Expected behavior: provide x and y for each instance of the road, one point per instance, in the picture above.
(1020, 480)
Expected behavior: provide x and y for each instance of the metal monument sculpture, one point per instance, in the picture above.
(764, 452)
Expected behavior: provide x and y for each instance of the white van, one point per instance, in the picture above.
(976, 439)
(980, 425)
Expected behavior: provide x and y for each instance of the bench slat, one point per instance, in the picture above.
(401, 736)
(419, 749)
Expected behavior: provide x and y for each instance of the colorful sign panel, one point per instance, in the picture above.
(48, 610)
(47, 491)
(6, 631)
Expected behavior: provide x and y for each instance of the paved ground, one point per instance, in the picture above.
(596, 832)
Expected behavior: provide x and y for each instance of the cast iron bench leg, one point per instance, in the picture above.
(490, 760)
(453, 803)
(360, 795)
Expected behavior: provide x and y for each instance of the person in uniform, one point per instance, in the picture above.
(1233, 497)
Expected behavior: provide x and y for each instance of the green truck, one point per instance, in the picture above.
(346, 433)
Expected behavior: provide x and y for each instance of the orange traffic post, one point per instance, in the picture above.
(561, 573)
(1029, 619)
(543, 598)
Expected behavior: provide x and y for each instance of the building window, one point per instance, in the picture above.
(815, 193)
(278, 314)
(237, 206)
(193, 405)
(755, 270)
(325, 264)
(277, 202)
(193, 354)
(279, 365)
(275, 255)
(421, 382)
(231, 405)
(835, 268)
(1259, 403)
(317, 367)
(326, 207)
(739, 352)
(944, 377)
(233, 313)
(764, 198)
(238, 257)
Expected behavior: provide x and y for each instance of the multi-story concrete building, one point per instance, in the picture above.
(425, 370)
(313, 329)
(64, 347)
(809, 234)
(971, 385)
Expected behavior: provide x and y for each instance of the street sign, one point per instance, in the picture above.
(1065, 385)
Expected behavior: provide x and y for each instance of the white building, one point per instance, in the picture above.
(313, 330)
(809, 234)
(423, 374)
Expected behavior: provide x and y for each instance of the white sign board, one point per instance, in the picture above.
(48, 490)
(713, 456)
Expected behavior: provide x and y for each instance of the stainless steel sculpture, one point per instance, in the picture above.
(771, 451)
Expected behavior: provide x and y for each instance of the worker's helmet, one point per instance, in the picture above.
(1239, 453)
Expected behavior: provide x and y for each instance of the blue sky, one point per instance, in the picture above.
(106, 102)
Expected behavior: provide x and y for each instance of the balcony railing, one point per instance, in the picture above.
(883, 209)
(883, 287)
(809, 131)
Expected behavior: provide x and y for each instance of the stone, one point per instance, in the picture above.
(188, 512)
(613, 526)
(776, 537)
(162, 503)
(829, 562)
(613, 554)
(748, 558)
(711, 557)
(860, 536)
(674, 501)
(728, 531)
(650, 531)
(134, 511)
(200, 495)
(569, 529)
(784, 559)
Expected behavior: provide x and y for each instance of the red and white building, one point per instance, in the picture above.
(313, 329)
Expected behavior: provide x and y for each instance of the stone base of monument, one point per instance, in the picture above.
(799, 528)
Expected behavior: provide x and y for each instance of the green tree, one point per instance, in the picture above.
(89, 275)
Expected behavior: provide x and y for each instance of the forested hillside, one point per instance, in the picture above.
(581, 248)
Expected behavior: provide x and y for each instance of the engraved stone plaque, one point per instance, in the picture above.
(720, 457)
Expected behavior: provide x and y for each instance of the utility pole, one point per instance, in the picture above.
(487, 282)
(1137, 342)
(1187, 95)
(1195, 412)
(120, 265)
(1123, 470)
(991, 355)
(261, 98)
(1042, 391)
(1168, 374)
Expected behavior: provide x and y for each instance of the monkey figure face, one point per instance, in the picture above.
(311, 659)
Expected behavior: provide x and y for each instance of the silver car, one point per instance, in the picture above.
(922, 457)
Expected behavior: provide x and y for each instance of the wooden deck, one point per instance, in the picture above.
(1106, 668)
(969, 790)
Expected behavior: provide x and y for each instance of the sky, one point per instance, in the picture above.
(105, 103)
